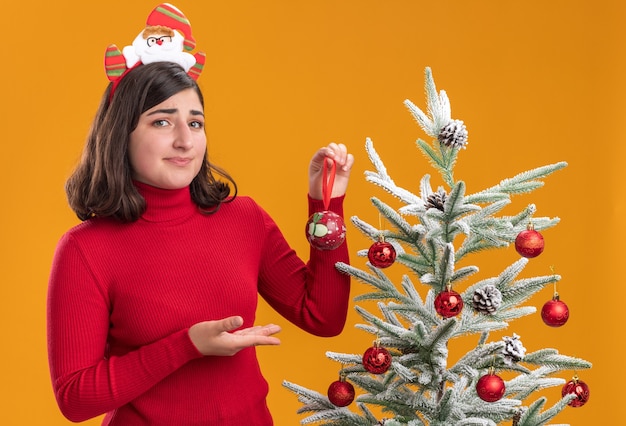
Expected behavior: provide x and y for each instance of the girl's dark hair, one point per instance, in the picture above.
(101, 185)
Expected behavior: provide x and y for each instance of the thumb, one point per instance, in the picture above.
(231, 323)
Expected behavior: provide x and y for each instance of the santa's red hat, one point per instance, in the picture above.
(169, 16)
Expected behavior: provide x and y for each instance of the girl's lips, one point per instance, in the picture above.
(179, 161)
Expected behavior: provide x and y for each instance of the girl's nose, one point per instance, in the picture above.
(183, 137)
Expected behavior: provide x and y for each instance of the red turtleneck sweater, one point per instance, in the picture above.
(122, 297)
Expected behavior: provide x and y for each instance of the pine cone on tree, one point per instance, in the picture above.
(453, 134)
(514, 350)
(518, 415)
(436, 200)
(487, 299)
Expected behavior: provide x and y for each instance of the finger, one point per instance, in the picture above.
(345, 162)
(250, 330)
(332, 150)
(347, 166)
(339, 154)
(266, 341)
(246, 340)
(342, 157)
(270, 329)
(341, 149)
(265, 330)
(321, 155)
(230, 323)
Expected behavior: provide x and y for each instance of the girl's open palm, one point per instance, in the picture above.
(218, 338)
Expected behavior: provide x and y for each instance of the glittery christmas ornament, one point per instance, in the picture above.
(490, 387)
(377, 359)
(579, 388)
(555, 312)
(381, 254)
(340, 392)
(448, 303)
(325, 230)
(529, 243)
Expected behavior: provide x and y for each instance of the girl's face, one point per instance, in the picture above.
(167, 148)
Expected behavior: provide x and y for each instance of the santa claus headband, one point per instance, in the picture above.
(166, 38)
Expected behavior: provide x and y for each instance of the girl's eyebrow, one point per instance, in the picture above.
(174, 110)
(163, 111)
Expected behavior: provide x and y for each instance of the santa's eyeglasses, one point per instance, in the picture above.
(158, 40)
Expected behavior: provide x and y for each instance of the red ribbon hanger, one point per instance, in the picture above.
(328, 182)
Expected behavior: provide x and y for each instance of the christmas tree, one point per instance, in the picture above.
(407, 376)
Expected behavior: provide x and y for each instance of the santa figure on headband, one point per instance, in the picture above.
(162, 40)
(166, 38)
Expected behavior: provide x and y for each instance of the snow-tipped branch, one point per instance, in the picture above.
(522, 182)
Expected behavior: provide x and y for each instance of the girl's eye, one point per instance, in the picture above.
(196, 124)
(160, 123)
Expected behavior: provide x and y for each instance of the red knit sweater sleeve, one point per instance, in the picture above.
(87, 383)
(313, 295)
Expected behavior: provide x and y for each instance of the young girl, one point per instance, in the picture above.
(152, 298)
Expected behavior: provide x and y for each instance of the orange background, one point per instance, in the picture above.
(536, 82)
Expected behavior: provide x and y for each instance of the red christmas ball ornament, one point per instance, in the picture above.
(377, 359)
(529, 243)
(555, 312)
(341, 393)
(325, 230)
(490, 387)
(381, 254)
(578, 388)
(448, 303)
